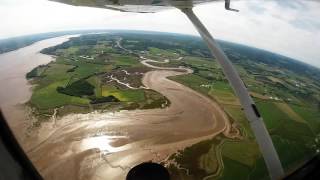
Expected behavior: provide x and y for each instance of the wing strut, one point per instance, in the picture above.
(256, 122)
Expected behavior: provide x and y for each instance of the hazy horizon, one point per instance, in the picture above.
(290, 28)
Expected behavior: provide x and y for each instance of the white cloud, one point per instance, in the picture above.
(291, 28)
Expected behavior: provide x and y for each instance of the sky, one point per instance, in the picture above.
(287, 27)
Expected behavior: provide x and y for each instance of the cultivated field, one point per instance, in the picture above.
(105, 73)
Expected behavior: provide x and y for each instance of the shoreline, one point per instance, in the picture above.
(130, 137)
(14, 66)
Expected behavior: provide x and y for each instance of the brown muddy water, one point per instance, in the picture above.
(106, 145)
(15, 89)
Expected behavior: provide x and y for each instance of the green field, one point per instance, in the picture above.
(286, 94)
(123, 95)
(96, 82)
(291, 126)
(48, 97)
(77, 81)
(246, 152)
(287, 132)
(311, 115)
(163, 53)
(129, 61)
(200, 159)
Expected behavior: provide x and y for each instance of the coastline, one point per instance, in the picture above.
(130, 137)
(16, 89)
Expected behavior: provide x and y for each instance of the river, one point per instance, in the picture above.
(15, 89)
(106, 145)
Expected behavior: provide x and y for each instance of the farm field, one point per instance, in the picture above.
(93, 73)
(81, 78)
(285, 121)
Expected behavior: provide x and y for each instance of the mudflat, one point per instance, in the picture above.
(106, 145)
(15, 89)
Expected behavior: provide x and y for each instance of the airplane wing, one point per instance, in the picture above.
(264, 140)
(138, 6)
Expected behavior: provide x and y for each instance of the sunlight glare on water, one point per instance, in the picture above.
(103, 143)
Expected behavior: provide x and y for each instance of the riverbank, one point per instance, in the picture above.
(98, 145)
(15, 89)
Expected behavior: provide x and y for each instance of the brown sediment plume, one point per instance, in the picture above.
(139, 135)
(15, 89)
(102, 145)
